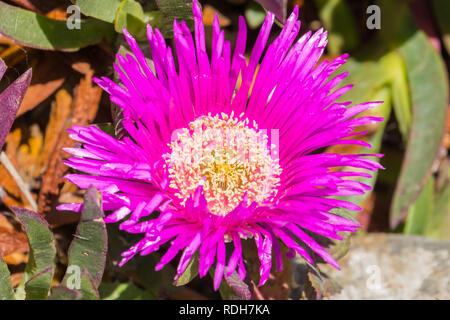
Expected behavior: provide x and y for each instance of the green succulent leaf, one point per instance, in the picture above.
(400, 96)
(88, 287)
(233, 288)
(88, 249)
(6, 288)
(429, 95)
(428, 90)
(100, 9)
(37, 31)
(38, 287)
(255, 15)
(438, 223)
(130, 16)
(420, 211)
(42, 247)
(180, 10)
(190, 273)
(64, 293)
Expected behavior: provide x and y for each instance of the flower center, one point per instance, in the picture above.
(229, 158)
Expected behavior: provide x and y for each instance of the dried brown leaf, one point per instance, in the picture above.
(208, 17)
(11, 195)
(83, 110)
(48, 75)
(16, 258)
(41, 6)
(11, 241)
(57, 14)
(60, 113)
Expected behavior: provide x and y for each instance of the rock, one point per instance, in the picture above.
(393, 266)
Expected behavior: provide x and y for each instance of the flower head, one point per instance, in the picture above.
(221, 162)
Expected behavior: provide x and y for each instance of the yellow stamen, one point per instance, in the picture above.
(231, 158)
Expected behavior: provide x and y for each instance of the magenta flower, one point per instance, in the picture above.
(220, 163)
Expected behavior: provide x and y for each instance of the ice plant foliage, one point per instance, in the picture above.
(207, 162)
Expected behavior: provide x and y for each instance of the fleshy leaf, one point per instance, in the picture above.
(42, 247)
(38, 287)
(420, 211)
(429, 96)
(400, 97)
(255, 15)
(100, 9)
(190, 273)
(64, 293)
(180, 10)
(428, 89)
(6, 288)
(37, 31)
(130, 16)
(233, 288)
(88, 287)
(88, 249)
(438, 224)
(10, 100)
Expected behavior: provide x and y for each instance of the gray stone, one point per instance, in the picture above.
(393, 266)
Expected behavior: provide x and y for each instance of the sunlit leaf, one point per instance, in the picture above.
(6, 288)
(234, 288)
(255, 15)
(88, 249)
(190, 273)
(400, 96)
(37, 31)
(38, 286)
(429, 96)
(438, 224)
(42, 248)
(101, 9)
(420, 211)
(130, 16)
(64, 293)
(428, 90)
(180, 10)
(88, 288)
